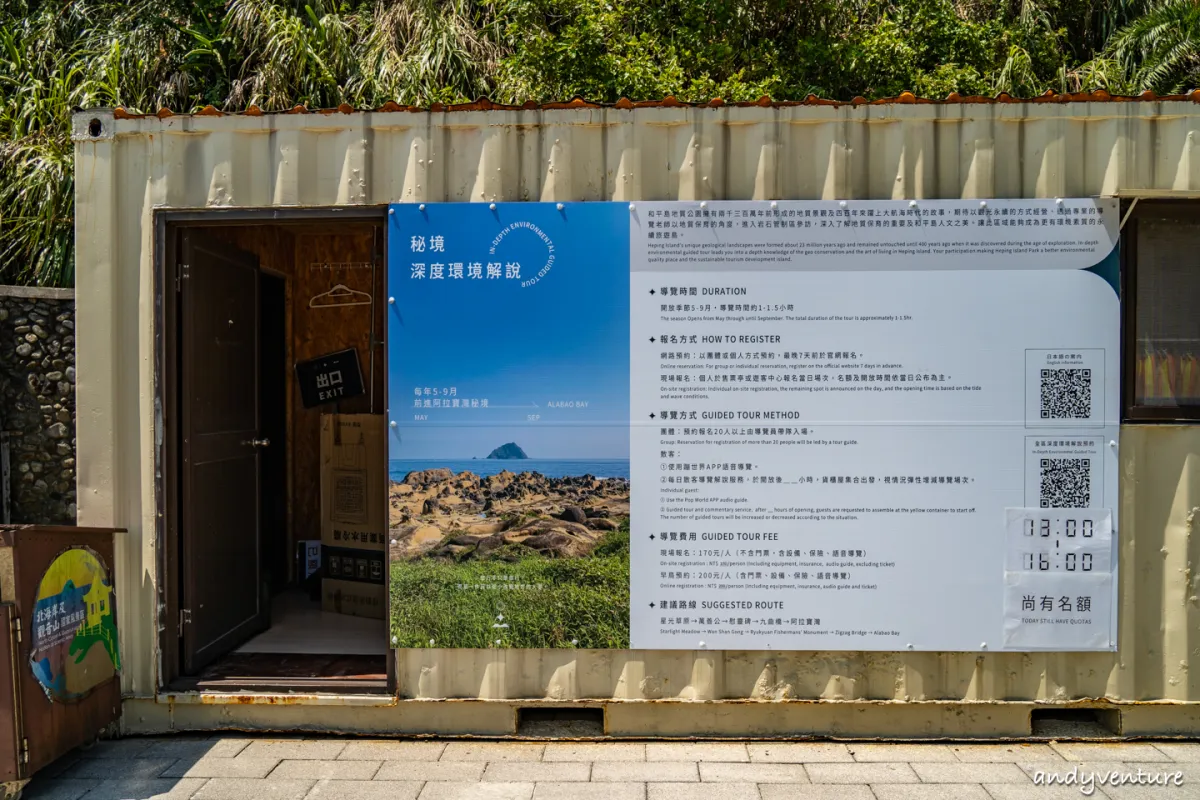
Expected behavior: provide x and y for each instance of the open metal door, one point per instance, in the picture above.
(222, 604)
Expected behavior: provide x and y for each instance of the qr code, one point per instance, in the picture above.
(1066, 393)
(1066, 482)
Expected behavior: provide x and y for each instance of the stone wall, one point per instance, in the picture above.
(37, 392)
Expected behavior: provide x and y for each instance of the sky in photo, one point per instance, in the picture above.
(487, 341)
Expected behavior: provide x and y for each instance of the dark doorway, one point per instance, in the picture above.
(242, 491)
(272, 416)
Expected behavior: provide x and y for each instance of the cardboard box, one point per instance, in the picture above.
(354, 518)
(354, 481)
(353, 581)
(354, 598)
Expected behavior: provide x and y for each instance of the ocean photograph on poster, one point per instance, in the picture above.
(508, 372)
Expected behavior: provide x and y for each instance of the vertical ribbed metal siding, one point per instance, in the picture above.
(798, 152)
(801, 152)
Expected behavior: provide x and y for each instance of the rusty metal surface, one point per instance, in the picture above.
(285, 674)
(10, 709)
(904, 98)
(9, 533)
(54, 728)
(889, 151)
(792, 721)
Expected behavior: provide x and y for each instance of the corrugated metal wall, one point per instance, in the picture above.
(669, 153)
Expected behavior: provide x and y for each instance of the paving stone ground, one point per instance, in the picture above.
(237, 767)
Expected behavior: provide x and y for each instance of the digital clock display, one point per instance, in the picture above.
(1069, 541)
(1071, 562)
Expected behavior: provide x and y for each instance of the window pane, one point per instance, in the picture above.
(1167, 328)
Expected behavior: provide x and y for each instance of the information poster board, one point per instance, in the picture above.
(859, 425)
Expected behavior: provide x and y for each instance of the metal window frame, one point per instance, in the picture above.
(1132, 211)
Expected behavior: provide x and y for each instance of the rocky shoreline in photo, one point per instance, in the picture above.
(441, 515)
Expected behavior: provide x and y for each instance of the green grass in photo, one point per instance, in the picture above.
(583, 602)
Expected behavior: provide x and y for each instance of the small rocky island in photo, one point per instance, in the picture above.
(510, 450)
(513, 559)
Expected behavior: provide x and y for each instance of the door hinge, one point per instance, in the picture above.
(185, 618)
(24, 751)
(17, 628)
(180, 276)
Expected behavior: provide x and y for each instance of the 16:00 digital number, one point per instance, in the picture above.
(1071, 562)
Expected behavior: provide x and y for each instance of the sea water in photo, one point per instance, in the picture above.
(484, 467)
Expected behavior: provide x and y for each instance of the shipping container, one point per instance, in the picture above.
(307, 193)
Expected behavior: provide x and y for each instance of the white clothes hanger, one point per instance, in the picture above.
(338, 296)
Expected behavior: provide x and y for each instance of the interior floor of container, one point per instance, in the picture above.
(299, 626)
(305, 649)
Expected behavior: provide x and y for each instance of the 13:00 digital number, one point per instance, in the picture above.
(1071, 528)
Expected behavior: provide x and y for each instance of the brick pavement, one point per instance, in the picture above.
(237, 767)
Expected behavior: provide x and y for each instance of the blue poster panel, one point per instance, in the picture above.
(508, 377)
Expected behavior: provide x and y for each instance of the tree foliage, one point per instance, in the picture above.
(58, 55)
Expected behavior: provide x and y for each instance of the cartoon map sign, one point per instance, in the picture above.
(74, 646)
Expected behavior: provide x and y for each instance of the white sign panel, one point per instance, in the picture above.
(1058, 575)
(844, 413)
(1045, 611)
